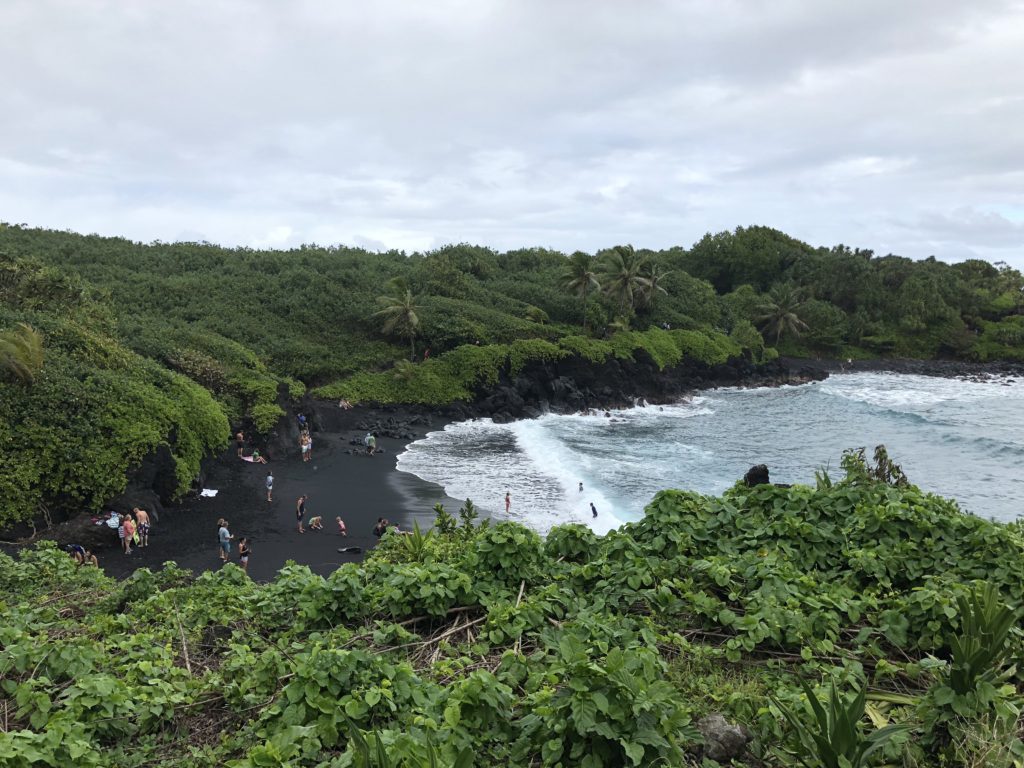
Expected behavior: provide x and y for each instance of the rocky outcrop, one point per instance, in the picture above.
(723, 741)
(573, 384)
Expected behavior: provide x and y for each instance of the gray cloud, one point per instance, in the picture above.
(566, 124)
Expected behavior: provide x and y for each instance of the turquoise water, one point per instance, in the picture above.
(962, 439)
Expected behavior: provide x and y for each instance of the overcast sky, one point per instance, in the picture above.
(896, 126)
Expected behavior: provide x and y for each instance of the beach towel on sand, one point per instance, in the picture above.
(209, 493)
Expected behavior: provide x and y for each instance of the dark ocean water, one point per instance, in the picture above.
(962, 439)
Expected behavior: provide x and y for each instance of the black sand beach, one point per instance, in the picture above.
(357, 487)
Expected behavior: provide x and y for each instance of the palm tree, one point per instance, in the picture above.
(21, 352)
(621, 268)
(778, 312)
(580, 279)
(399, 313)
(652, 276)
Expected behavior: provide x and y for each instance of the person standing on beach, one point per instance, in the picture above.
(304, 446)
(224, 538)
(240, 442)
(129, 533)
(243, 553)
(142, 516)
(300, 511)
(371, 443)
(120, 531)
(342, 531)
(270, 486)
(508, 502)
(593, 509)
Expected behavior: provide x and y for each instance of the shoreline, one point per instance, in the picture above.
(341, 480)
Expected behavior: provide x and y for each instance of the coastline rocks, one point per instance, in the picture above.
(757, 475)
(574, 385)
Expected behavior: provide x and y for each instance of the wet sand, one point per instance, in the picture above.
(358, 487)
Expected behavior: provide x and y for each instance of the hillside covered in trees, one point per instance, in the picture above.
(113, 350)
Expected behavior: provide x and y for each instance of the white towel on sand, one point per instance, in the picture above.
(207, 492)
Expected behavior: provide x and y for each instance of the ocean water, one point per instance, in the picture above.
(960, 438)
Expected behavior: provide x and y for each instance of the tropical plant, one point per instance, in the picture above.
(416, 542)
(399, 313)
(468, 515)
(652, 277)
(444, 521)
(980, 649)
(404, 372)
(834, 737)
(379, 757)
(621, 269)
(580, 279)
(21, 352)
(778, 314)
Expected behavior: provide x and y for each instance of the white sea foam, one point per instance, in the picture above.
(903, 392)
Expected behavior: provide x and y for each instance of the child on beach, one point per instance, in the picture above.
(243, 553)
(270, 486)
(342, 531)
(316, 523)
(120, 530)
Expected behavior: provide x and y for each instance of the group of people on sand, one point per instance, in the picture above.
(316, 523)
(133, 530)
(254, 457)
(224, 539)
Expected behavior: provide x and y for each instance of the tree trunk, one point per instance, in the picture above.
(585, 291)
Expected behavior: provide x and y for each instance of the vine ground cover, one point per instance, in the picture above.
(574, 650)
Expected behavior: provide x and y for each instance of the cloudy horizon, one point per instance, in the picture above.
(569, 125)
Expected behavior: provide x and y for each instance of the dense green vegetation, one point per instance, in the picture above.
(815, 616)
(79, 408)
(144, 345)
